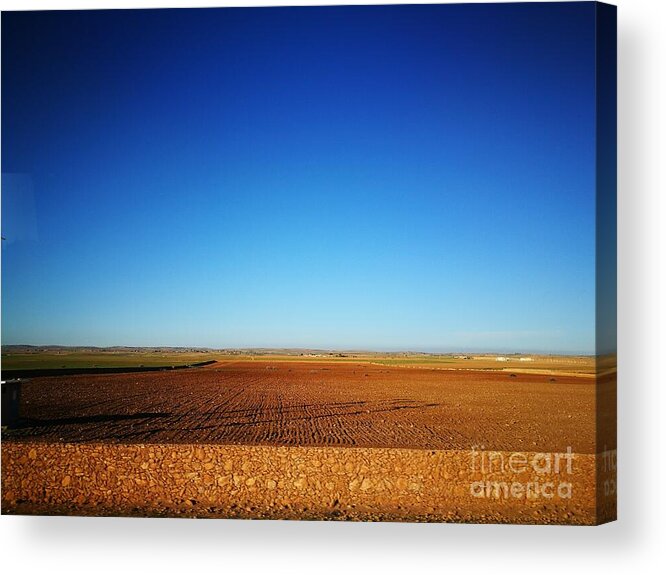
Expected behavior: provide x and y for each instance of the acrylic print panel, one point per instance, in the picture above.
(310, 263)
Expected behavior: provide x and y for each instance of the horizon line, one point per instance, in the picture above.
(448, 351)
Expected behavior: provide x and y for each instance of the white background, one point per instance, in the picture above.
(100, 545)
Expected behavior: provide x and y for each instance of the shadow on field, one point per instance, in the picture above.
(82, 420)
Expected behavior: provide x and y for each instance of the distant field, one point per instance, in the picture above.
(68, 359)
(415, 361)
(538, 364)
(556, 364)
(101, 359)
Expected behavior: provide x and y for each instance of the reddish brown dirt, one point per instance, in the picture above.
(315, 404)
(370, 484)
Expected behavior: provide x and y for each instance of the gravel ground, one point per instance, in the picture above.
(328, 483)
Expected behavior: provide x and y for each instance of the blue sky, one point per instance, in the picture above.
(360, 177)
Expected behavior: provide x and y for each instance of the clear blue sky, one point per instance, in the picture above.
(361, 177)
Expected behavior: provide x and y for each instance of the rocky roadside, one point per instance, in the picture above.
(263, 482)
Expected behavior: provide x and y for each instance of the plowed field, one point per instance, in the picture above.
(315, 404)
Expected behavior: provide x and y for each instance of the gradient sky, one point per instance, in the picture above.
(350, 177)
